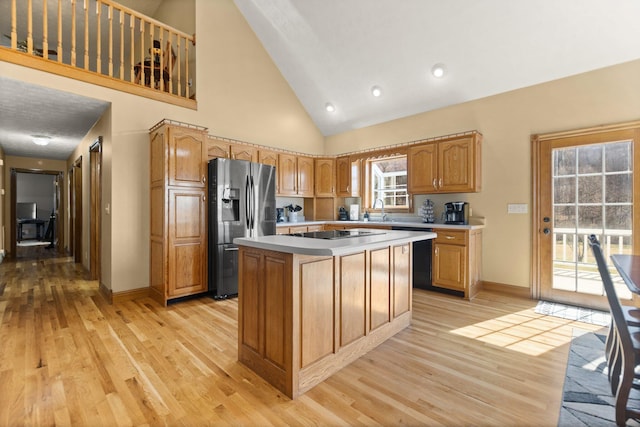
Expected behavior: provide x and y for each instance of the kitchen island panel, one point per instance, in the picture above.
(352, 285)
(317, 310)
(380, 293)
(275, 321)
(402, 279)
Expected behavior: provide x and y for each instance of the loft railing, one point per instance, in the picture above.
(105, 38)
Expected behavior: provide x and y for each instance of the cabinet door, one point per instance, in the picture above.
(347, 177)
(244, 152)
(449, 266)
(268, 157)
(187, 158)
(456, 165)
(217, 148)
(423, 169)
(305, 176)
(187, 242)
(287, 175)
(325, 178)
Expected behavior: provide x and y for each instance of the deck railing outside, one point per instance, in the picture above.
(103, 37)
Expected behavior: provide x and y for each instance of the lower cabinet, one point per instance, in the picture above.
(178, 259)
(302, 318)
(457, 260)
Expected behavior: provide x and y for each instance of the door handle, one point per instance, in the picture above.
(231, 249)
(246, 202)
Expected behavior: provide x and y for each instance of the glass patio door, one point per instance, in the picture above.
(586, 188)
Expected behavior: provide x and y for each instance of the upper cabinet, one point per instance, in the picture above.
(305, 176)
(187, 157)
(268, 157)
(347, 177)
(295, 175)
(218, 148)
(325, 178)
(446, 166)
(244, 152)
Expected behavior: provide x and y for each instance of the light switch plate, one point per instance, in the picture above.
(517, 208)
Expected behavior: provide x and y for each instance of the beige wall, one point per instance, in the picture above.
(507, 121)
(241, 96)
(102, 128)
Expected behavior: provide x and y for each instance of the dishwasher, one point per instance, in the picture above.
(422, 262)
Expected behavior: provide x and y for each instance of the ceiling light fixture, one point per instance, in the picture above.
(40, 139)
(438, 70)
(376, 91)
(329, 107)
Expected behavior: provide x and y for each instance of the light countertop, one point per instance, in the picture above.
(394, 223)
(320, 247)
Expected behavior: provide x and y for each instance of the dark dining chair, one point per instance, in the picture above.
(625, 347)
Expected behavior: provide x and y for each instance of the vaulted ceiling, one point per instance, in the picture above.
(335, 51)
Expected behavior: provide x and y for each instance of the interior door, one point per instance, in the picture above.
(584, 184)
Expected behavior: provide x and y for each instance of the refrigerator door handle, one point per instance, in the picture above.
(247, 203)
(253, 197)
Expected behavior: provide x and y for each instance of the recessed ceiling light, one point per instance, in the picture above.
(329, 107)
(438, 70)
(40, 139)
(376, 91)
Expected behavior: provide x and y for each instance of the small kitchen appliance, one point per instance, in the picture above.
(456, 213)
(342, 214)
(280, 215)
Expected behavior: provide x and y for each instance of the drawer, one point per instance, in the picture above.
(315, 228)
(451, 237)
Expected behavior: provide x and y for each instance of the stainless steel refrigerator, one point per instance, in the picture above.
(242, 203)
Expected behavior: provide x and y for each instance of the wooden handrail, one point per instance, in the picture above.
(151, 54)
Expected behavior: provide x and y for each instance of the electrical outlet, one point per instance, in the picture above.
(517, 208)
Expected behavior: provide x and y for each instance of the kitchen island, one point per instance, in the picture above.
(310, 305)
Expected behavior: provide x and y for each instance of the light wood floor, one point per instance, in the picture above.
(69, 358)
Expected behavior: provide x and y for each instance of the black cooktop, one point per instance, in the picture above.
(335, 234)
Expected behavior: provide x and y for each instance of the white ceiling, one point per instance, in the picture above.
(336, 50)
(27, 110)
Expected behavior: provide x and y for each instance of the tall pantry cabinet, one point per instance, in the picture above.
(178, 244)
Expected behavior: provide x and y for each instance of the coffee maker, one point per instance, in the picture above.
(456, 213)
(280, 215)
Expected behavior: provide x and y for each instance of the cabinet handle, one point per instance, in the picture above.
(435, 185)
(440, 183)
(449, 237)
(437, 251)
(204, 179)
(204, 197)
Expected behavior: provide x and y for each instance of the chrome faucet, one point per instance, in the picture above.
(384, 216)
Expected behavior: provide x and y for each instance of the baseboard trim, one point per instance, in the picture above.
(502, 288)
(106, 293)
(130, 295)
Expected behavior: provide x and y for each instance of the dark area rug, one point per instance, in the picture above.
(587, 398)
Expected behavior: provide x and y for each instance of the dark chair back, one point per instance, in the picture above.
(624, 363)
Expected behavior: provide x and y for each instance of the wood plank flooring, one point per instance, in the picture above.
(69, 358)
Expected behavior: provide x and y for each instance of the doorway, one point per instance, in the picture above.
(95, 165)
(34, 210)
(584, 183)
(75, 209)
